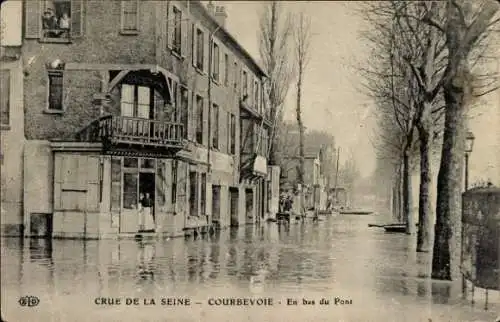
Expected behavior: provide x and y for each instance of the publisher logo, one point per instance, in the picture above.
(29, 301)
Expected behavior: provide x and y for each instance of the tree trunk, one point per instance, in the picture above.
(424, 201)
(301, 127)
(407, 195)
(449, 186)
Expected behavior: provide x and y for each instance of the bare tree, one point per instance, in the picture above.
(466, 25)
(302, 38)
(274, 46)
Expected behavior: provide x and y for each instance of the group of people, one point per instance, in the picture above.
(55, 27)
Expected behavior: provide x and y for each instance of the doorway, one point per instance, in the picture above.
(233, 206)
(216, 204)
(147, 186)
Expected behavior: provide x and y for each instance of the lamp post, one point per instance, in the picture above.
(469, 143)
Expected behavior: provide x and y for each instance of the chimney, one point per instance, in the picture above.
(220, 15)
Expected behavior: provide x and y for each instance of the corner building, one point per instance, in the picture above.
(123, 98)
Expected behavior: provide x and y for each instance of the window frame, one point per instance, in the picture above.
(53, 73)
(200, 59)
(63, 40)
(226, 69)
(7, 88)
(232, 147)
(216, 50)
(215, 144)
(124, 31)
(244, 85)
(177, 32)
(200, 115)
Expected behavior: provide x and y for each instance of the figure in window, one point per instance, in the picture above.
(64, 24)
(49, 24)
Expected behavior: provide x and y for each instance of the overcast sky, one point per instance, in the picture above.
(332, 100)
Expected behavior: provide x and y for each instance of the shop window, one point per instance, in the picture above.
(130, 190)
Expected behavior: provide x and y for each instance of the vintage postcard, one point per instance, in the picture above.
(250, 160)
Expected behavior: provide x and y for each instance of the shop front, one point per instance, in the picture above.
(98, 195)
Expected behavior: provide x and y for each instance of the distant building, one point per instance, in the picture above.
(313, 184)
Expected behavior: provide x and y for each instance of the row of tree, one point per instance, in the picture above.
(428, 66)
(284, 52)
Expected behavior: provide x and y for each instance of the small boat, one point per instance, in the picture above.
(355, 212)
(395, 228)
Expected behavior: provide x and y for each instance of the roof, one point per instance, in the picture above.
(233, 40)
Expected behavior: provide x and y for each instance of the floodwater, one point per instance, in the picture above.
(363, 273)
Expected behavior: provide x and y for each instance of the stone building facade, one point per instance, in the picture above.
(124, 98)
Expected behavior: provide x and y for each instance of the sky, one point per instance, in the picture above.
(332, 100)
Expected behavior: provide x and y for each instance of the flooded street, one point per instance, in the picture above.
(363, 273)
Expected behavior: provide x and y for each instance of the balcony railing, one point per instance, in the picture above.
(134, 131)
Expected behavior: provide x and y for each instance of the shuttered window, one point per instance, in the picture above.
(54, 21)
(176, 46)
(130, 16)
(76, 183)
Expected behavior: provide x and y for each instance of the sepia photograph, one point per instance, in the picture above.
(250, 161)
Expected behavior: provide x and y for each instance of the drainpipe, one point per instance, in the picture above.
(210, 54)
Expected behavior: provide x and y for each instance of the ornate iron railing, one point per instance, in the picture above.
(133, 130)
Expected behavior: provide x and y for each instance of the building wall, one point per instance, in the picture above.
(38, 180)
(102, 45)
(12, 145)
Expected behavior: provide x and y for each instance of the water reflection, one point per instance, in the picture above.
(333, 256)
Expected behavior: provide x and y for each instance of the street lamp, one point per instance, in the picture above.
(469, 143)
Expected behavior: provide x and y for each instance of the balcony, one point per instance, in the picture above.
(124, 131)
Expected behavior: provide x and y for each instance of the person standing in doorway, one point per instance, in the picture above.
(140, 212)
(147, 209)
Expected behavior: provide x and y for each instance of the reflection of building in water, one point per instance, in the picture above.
(145, 258)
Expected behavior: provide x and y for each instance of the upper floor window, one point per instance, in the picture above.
(226, 69)
(55, 103)
(232, 128)
(245, 84)
(130, 16)
(236, 75)
(53, 20)
(215, 126)
(184, 110)
(136, 101)
(256, 94)
(198, 48)
(199, 119)
(177, 36)
(4, 96)
(216, 62)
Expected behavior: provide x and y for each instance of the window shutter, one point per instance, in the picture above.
(206, 51)
(76, 18)
(206, 135)
(193, 44)
(170, 25)
(32, 18)
(93, 182)
(185, 36)
(181, 186)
